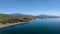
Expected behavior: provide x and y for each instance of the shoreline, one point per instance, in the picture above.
(12, 24)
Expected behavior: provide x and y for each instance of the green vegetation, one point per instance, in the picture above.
(14, 20)
(8, 18)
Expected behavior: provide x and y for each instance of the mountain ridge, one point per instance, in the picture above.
(24, 15)
(48, 16)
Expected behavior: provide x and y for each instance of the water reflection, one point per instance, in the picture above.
(39, 26)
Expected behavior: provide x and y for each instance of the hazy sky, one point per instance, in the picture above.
(32, 7)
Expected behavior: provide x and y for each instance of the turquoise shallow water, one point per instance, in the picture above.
(39, 26)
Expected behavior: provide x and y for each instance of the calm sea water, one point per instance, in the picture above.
(39, 26)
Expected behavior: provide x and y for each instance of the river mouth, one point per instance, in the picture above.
(39, 26)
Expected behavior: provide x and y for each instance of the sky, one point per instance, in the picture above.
(30, 7)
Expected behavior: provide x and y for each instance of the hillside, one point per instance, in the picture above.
(15, 18)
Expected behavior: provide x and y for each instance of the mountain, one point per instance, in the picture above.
(27, 16)
(24, 15)
(15, 15)
(47, 16)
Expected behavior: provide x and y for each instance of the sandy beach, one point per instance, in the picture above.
(3, 25)
(11, 24)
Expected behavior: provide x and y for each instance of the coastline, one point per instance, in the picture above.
(12, 24)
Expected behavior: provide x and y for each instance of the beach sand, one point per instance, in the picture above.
(5, 25)
(10, 24)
